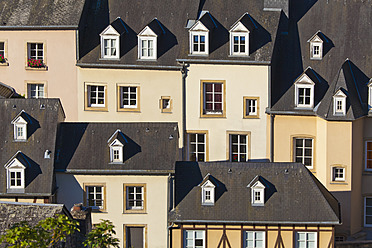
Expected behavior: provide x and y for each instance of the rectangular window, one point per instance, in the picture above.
(239, 44)
(20, 132)
(147, 48)
(95, 97)
(306, 239)
(194, 239)
(303, 152)
(36, 51)
(135, 195)
(166, 104)
(128, 97)
(213, 99)
(251, 107)
(197, 146)
(238, 147)
(2, 49)
(109, 47)
(134, 236)
(254, 239)
(95, 196)
(316, 51)
(35, 90)
(368, 155)
(338, 174)
(368, 211)
(304, 96)
(199, 43)
(15, 179)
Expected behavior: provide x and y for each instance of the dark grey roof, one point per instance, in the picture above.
(44, 116)
(292, 194)
(15, 212)
(346, 26)
(247, 21)
(173, 17)
(40, 13)
(150, 148)
(156, 27)
(119, 26)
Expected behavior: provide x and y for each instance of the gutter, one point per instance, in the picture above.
(184, 76)
(276, 112)
(233, 62)
(25, 194)
(260, 222)
(55, 27)
(121, 66)
(115, 172)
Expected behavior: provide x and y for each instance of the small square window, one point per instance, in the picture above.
(251, 107)
(254, 239)
(213, 99)
(95, 196)
(95, 97)
(35, 91)
(135, 198)
(197, 146)
(198, 43)
(166, 104)
(129, 98)
(338, 174)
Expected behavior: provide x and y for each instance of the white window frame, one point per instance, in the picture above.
(366, 159)
(108, 46)
(22, 178)
(39, 90)
(95, 193)
(303, 147)
(365, 212)
(336, 171)
(313, 45)
(370, 95)
(131, 96)
(213, 101)
(97, 98)
(135, 200)
(193, 238)
(239, 145)
(3, 51)
(339, 107)
(246, 43)
(37, 49)
(306, 240)
(208, 189)
(254, 239)
(199, 34)
(297, 95)
(261, 193)
(22, 127)
(251, 109)
(119, 150)
(197, 143)
(141, 48)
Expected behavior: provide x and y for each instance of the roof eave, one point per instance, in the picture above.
(260, 222)
(66, 27)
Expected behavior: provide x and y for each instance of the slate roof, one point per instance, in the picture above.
(151, 148)
(40, 13)
(173, 16)
(293, 195)
(15, 212)
(346, 25)
(44, 116)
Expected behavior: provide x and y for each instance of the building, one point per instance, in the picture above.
(222, 204)
(124, 171)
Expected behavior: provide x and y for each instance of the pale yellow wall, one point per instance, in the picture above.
(153, 85)
(70, 191)
(214, 238)
(60, 54)
(28, 200)
(240, 81)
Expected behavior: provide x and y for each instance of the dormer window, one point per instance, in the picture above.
(116, 145)
(199, 34)
(257, 191)
(110, 39)
(15, 169)
(20, 126)
(339, 103)
(304, 91)
(208, 191)
(317, 42)
(239, 35)
(370, 95)
(148, 40)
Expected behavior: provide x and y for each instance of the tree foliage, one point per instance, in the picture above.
(102, 236)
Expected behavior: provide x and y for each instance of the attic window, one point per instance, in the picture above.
(316, 45)
(208, 192)
(116, 145)
(304, 91)
(147, 44)
(370, 95)
(239, 35)
(15, 172)
(339, 103)
(20, 127)
(199, 36)
(110, 43)
(257, 192)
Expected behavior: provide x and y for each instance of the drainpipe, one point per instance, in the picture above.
(272, 118)
(184, 75)
(170, 194)
(169, 235)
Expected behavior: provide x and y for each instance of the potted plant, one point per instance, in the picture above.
(2, 59)
(35, 63)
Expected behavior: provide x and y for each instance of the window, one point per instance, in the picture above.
(197, 147)
(110, 47)
(254, 239)
(95, 196)
(258, 194)
(35, 90)
(251, 107)
(238, 147)
(303, 152)
(166, 104)
(3, 55)
(304, 96)
(129, 98)
(20, 126)
(95, 97)
(370, 95)
(338, 174)
(239, 43)
(339, 103)
(135, 198)
(35, 51)
(198, 43)
(199, 39)
(194, 239)
(116, 153)
(208, 193)
(147, 47)
(213, 99)
(16, 178)
(316, 50)
(368, 211)
(304, 90)
(134, 236)
(368, 155)
(306, 239)
(15, 173)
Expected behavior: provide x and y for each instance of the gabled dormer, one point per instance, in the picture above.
(370, 95)
(239, 35)
(317, 42)
(208, 192)
(15, 173)
(257, 187)
(339, 102)
(199, 34)
(116, 145)
(110, 39)
(148, 40)
(20, 123)
(304, 90)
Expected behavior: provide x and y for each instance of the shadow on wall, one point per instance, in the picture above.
(69, 190)
(194, 177)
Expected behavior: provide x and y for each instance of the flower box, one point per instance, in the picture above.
(35, 63)
(2, 59)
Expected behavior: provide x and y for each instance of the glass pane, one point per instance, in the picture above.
(298, 152)
(234, 138)
(200, 147)
(218, 97)
(202, 39)
(201, 138)
(196, 38)
(198, 235)
(243, 139)
(1, 45)
(218, 106)
(369, 201)
(202, 48)
(201, 157)
(217, 87)
(259, 244)
(369, 220)
(250, 235)
(308, 161)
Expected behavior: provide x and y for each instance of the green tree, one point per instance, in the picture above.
(102, 236)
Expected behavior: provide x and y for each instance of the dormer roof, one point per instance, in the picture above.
(117, 136)
(208, 180)
(154, 28)
(369, 83)
(257, 181)
(117, 27)
(204, 23)
(318, 37)
(22, 117)
(341, 92)
(244, 24)
(307, 77)
(20, 158)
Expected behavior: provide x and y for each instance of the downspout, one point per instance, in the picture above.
(272, 118)
(170, 194)
(184, 75)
